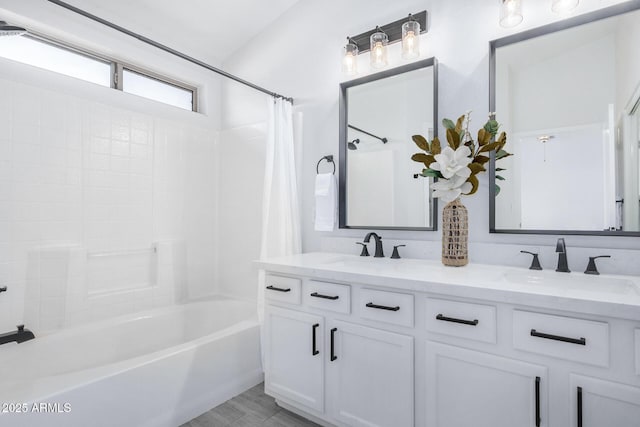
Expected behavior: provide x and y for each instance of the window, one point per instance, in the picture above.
(42, 54)
(70, 61)
(158, 90)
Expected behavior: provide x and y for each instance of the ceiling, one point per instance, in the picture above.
(208, 30)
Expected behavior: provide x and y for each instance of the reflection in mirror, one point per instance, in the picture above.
(567, 96)
(379, 114)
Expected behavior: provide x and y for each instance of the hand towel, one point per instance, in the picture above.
(326, 202)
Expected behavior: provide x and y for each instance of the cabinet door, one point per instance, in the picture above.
(293, 346)
(469, 388)
(369, 376)
(598, 403)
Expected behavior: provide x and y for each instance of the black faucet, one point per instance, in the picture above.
(19, 336)
(379, 253)
(561, 249)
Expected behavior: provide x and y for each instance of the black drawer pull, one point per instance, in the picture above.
(383, 307)
(538, 420)
(273, 288)
(314, 349)
(579, 341)
(333, 355)
(454, 320)
(317, 295)
(579, 406)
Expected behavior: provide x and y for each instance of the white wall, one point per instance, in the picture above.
(299, 55)
(88, 173)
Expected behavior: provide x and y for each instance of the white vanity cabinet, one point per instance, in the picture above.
(411, 343)
(470, 388)
(370, 376)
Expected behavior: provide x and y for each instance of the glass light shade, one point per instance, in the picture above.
(510, 13)
(564, 6)
(350, 59)
(379, 43)
(410, 39)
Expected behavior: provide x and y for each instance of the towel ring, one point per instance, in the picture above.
(329, 159)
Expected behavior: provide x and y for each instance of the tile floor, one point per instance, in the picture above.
(252, 408)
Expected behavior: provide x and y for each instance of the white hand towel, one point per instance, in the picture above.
(326, 202)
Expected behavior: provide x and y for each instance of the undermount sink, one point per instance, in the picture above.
(574, 281)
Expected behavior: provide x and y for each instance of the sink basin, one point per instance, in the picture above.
(574, 281)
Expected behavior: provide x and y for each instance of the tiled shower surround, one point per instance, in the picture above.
(103, 211)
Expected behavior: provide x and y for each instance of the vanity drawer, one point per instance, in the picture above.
(388, 307)
(461, 319)
(568, 338)
(637, 333)
(282, 289)
(328, 296)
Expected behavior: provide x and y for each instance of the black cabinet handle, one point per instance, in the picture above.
(383, 307)
(333, 355)
(579, 341)
(579, 406)
(273, 288)
(317, 295)
(454, 320)
(314, 350)
(538, 420)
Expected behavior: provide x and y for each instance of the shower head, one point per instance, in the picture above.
(10, 30)
(351, 145)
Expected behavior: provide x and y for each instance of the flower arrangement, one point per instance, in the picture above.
(457, 164)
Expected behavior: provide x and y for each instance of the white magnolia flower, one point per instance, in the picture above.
(453, 163)
(448, 190)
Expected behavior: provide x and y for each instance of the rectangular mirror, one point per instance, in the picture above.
(567, 94)
(378, 115)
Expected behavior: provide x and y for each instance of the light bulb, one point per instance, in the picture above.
(510, 13)
(562, 7)
(410, 39)
(350, 59)
(378, 42)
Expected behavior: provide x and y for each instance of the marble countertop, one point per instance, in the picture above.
(605, 295)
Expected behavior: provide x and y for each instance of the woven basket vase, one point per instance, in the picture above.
(455, 234)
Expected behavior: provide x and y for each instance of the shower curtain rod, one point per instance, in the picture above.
(167, 49)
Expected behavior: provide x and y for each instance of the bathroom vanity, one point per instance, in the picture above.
(355, 341)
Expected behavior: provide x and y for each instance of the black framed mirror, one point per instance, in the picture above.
(568, 96)
(378, 188)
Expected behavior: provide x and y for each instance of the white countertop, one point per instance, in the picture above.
(606, 295)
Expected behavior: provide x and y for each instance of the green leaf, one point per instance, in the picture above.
(502, 154)
(497, 189)
(435, 146)
(447, 123)
(500, 169)
(421, 142)
(484, 137)
(431, 173)
(500, 178)
(453, 138)
(476, 168)
(427, 159)
(489, 147)
(481, 159)
(492, 127)
(474, 184)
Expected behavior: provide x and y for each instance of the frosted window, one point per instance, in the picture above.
(50, 57)
(148, 87)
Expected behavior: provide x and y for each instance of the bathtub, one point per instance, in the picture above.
(157, 368)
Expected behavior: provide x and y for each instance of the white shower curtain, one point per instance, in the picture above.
(280, 210)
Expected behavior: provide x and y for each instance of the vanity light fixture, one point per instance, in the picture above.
(562, 7)
(411, 38)
(378, 42)
(350, 58)
(375, 42)
(510, 13)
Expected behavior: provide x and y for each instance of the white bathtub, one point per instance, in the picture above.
(158, 368)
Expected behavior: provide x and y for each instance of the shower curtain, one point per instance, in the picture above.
(280, 209)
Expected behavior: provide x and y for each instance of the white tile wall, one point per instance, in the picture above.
(77, 178)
